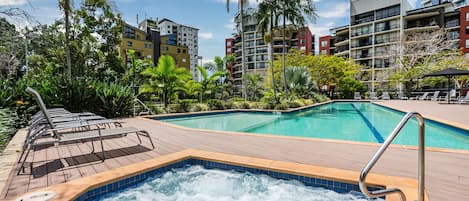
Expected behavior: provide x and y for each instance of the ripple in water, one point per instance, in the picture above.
(196, 183)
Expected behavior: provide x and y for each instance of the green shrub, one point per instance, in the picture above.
(238, 99)
(244, 105)
(348, 86)
(156, 109)
(175, 108)
(114, 100)
(236, 105)
(320, 98)
(295, 104)
(215, 104)
(254, 105)
(185, 104)
(281, 106)
(228, 104)
(307, 102)
(199, 107)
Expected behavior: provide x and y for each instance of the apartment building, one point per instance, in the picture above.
(427, 3)
(377, 25)
(256, 51)
(135, 39)
(148, 43)
(180, 54)
(186, 36)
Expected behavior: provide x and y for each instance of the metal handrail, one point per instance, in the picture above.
(138, 101)
(379, 153)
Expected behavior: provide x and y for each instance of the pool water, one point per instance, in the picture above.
(351, 121)
(197, 183)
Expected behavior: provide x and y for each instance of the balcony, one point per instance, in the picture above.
(342, 42)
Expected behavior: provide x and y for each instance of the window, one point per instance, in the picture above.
(467, 16)
(179, 50)
(323, 51)
(467, 29)
(324, 43)
(467, 43)
(129, 43)
(184, 51)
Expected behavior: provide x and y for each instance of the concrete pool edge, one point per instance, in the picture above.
(409, 147)
(73, 189)
(428, 117)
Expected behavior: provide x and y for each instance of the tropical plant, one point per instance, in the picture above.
(299, 82)
(165, 79)
(192, 89)
(208, 82)
(242, 4)
(114, 100)
(298, 12)
(220, 63)
(254, 86)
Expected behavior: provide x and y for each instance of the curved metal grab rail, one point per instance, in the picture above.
(379, 153)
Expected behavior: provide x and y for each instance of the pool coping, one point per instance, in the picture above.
(409, 147)
(73, 189)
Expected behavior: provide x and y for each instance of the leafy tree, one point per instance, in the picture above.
(208, 82)
(98, 28)
(11, 48)
(348, 86)
(165, 79)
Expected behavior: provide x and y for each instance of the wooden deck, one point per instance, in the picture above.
(447, 176)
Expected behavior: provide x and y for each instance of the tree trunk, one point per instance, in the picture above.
(271, 55)
(67, 39)
(283, 54)
(243, 67)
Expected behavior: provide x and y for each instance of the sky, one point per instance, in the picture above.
(210, 16)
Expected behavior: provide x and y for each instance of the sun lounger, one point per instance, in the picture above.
(401, 96)
(424, 96)
(435, 96)
(373, 96)
(464, 99)
(69, 134)
(357, 96)
(385, 96)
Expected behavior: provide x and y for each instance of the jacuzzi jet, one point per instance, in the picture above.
(38, 196)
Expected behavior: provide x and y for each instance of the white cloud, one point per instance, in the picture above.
(340, 10)
(12, 2)
(206, 35)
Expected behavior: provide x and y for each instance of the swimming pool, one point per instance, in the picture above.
(351, 121)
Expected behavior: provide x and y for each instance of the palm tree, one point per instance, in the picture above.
(300, 82)
(241, 5)
(253, 85)
(208, 81)
(297, 12)
(65, 5)
(165, 78)
(267, 19)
